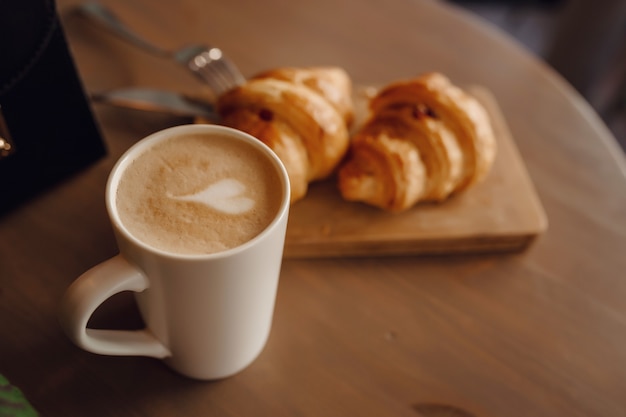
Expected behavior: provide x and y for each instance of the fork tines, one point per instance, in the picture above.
(213, 67)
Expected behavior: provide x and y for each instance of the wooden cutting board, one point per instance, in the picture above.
(503, 213)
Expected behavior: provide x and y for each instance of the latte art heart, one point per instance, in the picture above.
(226, 195)
(199, 194)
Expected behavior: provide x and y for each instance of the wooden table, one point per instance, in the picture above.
(540, 332)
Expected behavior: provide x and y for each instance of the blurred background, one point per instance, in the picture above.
(584, 40)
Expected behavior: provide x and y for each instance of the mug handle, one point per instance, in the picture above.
(88, 292)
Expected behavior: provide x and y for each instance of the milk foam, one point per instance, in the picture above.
(197, 194)
(225, 195)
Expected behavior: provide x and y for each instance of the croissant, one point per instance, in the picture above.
(425, 140)
(303, 114)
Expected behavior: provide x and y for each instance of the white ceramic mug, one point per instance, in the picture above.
(207, 316)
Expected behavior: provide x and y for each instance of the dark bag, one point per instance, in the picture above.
(47, 129)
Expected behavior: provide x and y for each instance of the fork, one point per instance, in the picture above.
(208, 63)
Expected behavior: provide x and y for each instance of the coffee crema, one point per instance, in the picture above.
(198, 194)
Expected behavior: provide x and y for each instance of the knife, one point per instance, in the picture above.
(161, 101)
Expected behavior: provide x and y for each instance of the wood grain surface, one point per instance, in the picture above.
(540, 332)
(503, 213)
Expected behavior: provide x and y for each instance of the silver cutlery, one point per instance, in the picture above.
(208, 63)
(160, 101)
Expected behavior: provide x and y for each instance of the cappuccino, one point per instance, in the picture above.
(198, 194)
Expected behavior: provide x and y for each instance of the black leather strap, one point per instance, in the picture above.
(26, 29)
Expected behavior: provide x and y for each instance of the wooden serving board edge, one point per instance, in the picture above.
(423, 247)
(516, 239)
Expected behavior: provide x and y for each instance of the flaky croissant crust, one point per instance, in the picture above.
(448, 130)
(300, 114)
(332, 83)
(459, 111)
